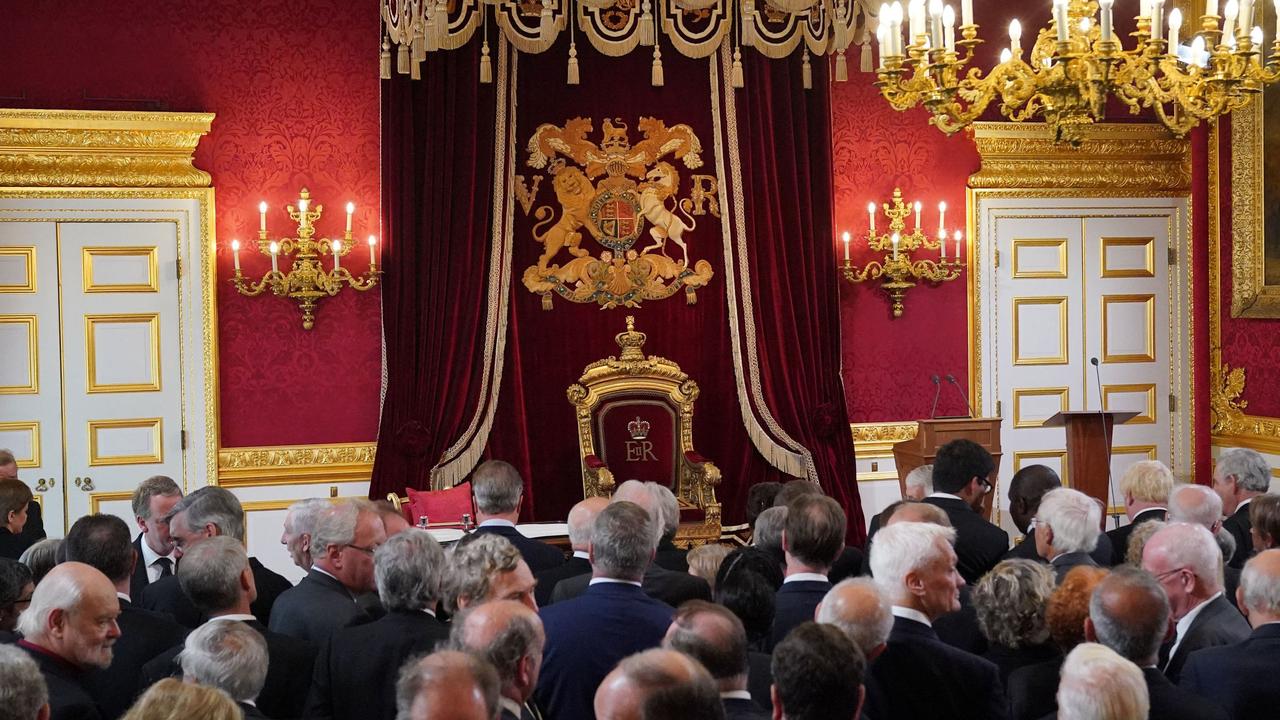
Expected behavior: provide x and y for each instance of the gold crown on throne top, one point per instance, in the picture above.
(631, 341)
(639, 429)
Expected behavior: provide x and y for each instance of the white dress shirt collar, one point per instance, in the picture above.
(948, 496)
(1185, 623)
(123, 596)
(911, 614)
(237, 617)
(149, 558)
(1243, 503)
(582, 554)
(602, 580)
(510, 705)
(805, 577)
(497, 522)
(735, 695)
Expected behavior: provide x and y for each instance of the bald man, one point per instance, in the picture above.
(715, 637)
(510, 637)
(859, 609)
(645, 686)
(447, 685)
(581, 516)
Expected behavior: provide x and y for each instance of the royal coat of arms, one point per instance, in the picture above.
(627, 198)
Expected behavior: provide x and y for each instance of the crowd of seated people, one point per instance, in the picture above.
(939, 618)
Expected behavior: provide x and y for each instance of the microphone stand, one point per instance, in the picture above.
(1102, 415)
(933, 413)
(952, 379)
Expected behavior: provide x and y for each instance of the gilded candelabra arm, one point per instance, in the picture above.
(873, 270)
(934, 271)
(362, 282)
(252, 289)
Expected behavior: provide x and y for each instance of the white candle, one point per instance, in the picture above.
(895, 246)
(336, 245)
(942, 244)
(958, 237)
(1005, 56)
(1229, 18)
(1197, 50)
(1277, 19)
(1144, 8)
(871, 216)
(351, 208)
(942, 218)
(966, 12)
(373, 258)
(844, 237)
(1060, 19)
(1157, 20)
(1104, 22)
(897, 28)
(1210, 7)
(1175, 25)
(949, 28)
(915, 17)
(275, 249)
(1245, 18)
(935, 23)
(919, 207)
(262, 216)
(1015, 36)
(302, 206)
(235, 253)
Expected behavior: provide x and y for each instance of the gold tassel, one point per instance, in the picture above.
(866, 66)
(402, 60)
(419, 43)
(415, 70)
(486, 64)
(429, 38)
(842, 67)
(572, 79)
(806, 70)
(656, 78)
(735, 75)
(546, 301)
(748, 24)
(546, 22)
(385, 57)
(645, 31)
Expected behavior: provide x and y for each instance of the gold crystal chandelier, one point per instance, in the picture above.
(1076, 64)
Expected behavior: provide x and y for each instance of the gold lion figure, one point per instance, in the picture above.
(574, 191)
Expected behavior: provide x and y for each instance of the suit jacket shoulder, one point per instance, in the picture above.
(165, 595)
(144, 634)
(742, 709)
(1217, 624)
(1170, 701)
(313, 609)
(549, 578)
(270, 586)
(674, 588)
(139, 580)
(961, 685)
(537, 554)
(1241, 677)
(1239, 525)
(794, 604)
(1033, 690)
(979, 544)
(68, 699)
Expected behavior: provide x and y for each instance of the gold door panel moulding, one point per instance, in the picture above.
(1061, 393)
(32, 386)
(876, 440)
(1149, 323)
(32, 428)
(1027, 245)
(1063, 351)
(1147, 416)
(91, 325)
(1147, 450)
(97, 498)
(84, 148)
(1112, 270)
(155, 425)
(295, 465)
(27, 254)
(149, 255)
(1021, 456)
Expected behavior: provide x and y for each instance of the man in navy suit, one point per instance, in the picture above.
(818, 674)
(498, 492)
(961, 473)
(812, 539)
(918, 675)
(581, 517)
(1239, 476)
(587, 635)
(1241, 677)
(715, 637)
(509, 635)
(152, 501)
(1026, 489)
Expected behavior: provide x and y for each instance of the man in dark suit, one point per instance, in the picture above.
(499, 491)
(450, 682)
(1129, 613)
(342, 547)
(153, 501)
(1145, 486)
(961, 472)
(26, 696)
(102, 542)
(1067, 529)
(510, 637)
(587, 635)
(669, 556)
(69, 630)
(818, 673)
(485, 567)
(1241, 677)
(217, 576)
(918, 675)
(812, 539)
(716, 638)
(1027, 487)
(356, 671)
(33, 531)
(1186, 561)
(229, 656)
(1239, 476)
(581, 516)
(658, 684)
(209, 512)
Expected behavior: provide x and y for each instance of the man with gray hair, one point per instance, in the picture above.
(152, 502)
(1067, 528)
(859, 609)
(1241, 677)
(1186, 561)
(668, 556)
(581, 517)
(498, 491)
(1129, 613)
(613, 618)
(299, 524)
(228, 656)
(209, 512)
(768, 532)
(484, 567)
(715, 637)
(23, 695)
(1098, 684)
(1200, 505)
(447, 685)
(356, 670)
(216, 575)
(69, 630)
(510, 637)
(342, 547)
(1239, 476)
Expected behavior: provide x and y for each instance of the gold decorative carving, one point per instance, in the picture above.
(1130, 157)
(876, 440)
(1250, 294)
(295, 465)
(63, 148)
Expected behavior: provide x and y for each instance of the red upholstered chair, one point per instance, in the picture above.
(440, 507)
(635, 421)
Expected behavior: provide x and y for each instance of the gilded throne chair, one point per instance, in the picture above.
(635, 421)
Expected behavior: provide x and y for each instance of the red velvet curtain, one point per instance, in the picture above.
(437, 181)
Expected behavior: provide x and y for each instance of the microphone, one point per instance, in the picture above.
(933, 413)
(1102, 414)
(952, 379)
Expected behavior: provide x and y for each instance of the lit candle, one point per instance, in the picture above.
(958, 237)
(262, 216)
(895, 246)
(373, 258)
(935, 23)
(1015, 36)
(919, 207)
(1175, 25)
(966, 12)
(915, 16)
(1157, 20)
(942, 244)
(871, 216)
(336, 245)
(275, 249)
(1229, 18)
(1060, 19)
(1005, 55)
(302, 205)
(351, 208)
(897, 27)
(1245, 18)
(1197, 50)
(942, 218)
(949, 28)
(845, 237)
(1104, 22)
(1210, 7)
(1278, 19)
(235, 253)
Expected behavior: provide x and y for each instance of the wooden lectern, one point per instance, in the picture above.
(933, 434)
(1089, 434)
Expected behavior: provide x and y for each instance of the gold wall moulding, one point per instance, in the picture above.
(1251, 295)
(295, 465)
(1134, 157)
(85, 148)
(876, 440)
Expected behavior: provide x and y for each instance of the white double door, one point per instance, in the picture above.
(1068, 281)
(90, 375)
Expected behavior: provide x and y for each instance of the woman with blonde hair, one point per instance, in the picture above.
(172, 699)
(704, 562)
(1010, 604)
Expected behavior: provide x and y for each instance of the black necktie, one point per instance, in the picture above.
(166, 566)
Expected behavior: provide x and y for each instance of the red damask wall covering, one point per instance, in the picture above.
(295, 89)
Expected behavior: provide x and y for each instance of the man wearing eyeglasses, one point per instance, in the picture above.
(1186, 561)
(961, 473)
(342, 546)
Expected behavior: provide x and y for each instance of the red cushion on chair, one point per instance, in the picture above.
(441, 506)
